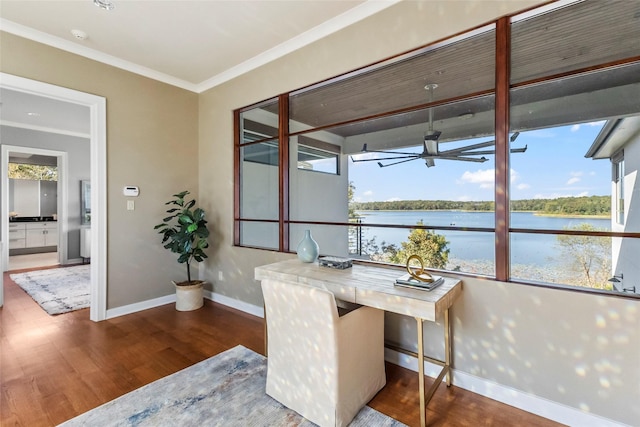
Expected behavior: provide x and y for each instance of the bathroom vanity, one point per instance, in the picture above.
(32, 235)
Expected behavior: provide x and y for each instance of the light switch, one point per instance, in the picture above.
(131, 205)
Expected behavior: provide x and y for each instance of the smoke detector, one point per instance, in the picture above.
(79, 34)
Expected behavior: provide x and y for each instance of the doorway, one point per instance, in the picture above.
(97, 137)
(35, 181)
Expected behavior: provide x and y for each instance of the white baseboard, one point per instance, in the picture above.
(156, 302)
(140, 306)
(234, 303)
(507, 395)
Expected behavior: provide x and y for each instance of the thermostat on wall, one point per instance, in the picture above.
(131, 191)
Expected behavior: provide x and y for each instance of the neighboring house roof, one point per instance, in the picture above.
(613, 136)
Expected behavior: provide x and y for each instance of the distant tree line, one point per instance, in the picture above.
(592, 205)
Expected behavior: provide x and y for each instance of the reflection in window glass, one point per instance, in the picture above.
(317, 196)
(259, 123)
(259, 183)
(259, 234)
(265, 153)
(332, 239)
(318, 156)
(315, 160)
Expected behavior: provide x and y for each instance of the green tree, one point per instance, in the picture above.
(33, 172)
(587, 257)
(431, 247)
(383, 252)
(350, 192)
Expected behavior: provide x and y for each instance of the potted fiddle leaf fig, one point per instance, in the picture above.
(184, 232)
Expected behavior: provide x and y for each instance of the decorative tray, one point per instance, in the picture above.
(335, 262)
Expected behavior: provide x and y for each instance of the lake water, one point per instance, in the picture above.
(530, 249)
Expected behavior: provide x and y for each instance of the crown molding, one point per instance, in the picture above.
(358, 13)
(44, 129)
(69, 46)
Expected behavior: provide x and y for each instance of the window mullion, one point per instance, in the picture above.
(502, 149)
(283, 180)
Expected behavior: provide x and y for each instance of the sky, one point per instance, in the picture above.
(553, 166)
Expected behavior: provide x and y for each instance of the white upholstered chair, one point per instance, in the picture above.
(324, 366)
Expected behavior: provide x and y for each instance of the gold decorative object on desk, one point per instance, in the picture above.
(418, 274)
(417, 277)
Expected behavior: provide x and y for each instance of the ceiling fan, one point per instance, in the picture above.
(431, 150)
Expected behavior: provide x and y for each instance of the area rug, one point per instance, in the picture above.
(57, 290)
(225, 390)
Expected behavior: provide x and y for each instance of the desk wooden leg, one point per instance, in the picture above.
(447, 346)
(423, 405)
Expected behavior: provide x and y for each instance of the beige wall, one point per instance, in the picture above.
(579, 350)
(152, 142)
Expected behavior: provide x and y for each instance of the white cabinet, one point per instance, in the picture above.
(17, 236)
(41, 234)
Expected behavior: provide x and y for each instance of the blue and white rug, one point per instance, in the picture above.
(225, 390)
(58, 290)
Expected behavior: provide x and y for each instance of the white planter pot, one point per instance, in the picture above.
(189, 297)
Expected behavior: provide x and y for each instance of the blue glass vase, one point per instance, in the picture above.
(308, 248)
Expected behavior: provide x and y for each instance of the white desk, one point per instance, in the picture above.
(374, 287)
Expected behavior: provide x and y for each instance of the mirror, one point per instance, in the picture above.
(85, 202)
(32, 198)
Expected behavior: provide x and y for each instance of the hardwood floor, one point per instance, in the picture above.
(53, 368)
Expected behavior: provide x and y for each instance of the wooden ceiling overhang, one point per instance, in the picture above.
(547, 52)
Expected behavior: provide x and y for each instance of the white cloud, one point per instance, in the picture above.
(575, 177)
(483, 178)
(393, 199)
(576, 127)
(523, 186)
(368, 193)
(486, 178)
(573, 180)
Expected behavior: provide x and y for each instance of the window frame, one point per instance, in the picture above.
(501, 91)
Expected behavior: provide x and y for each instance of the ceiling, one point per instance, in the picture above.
(194, 45)
(190, 44)
(199, 44)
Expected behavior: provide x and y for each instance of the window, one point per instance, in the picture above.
(415, 157)
(257, 199)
